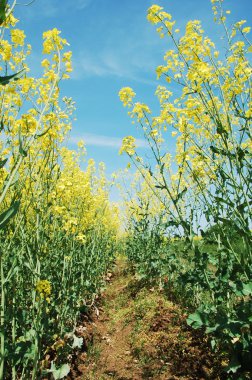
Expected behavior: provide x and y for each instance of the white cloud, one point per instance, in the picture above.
(91, 139)
(81, 4)
(112, 63)
(120, 53)
(88, 65)
(50, 9)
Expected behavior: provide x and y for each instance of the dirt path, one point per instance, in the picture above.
(139, 334)
(109, 356)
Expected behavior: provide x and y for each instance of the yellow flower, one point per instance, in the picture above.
(126, 94)
(81, 238)
(45, 63)
(10, 21)
(246, 30)
(52, 41)
(17, 37)
(68, 67)
(43, 287)
(67, 258)
(81, 144)
(152, 14)
(6, 50)
(128, 145)
(140, 110)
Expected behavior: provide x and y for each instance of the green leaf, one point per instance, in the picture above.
(23, 350)
(247, 289)
(234, 365)
(21, 149)
(77, 343)
(3, 4)
(217, 150)
(8, 214)
(180, 195)
(227, 202)
(195, 320)
(210, 330)
(213, 344)
(241, 153)
(1, 125)
(3, 162)
(30, 335)
(243, 289)
(61, 372)
(5, 80)
(220, 129)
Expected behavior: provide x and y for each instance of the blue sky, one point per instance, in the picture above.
(113, 46)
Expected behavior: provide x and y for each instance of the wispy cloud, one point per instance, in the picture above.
(113, 63)
(81, 4)
(47, 10)
(120, 54)
(91, 139)
(50, 9)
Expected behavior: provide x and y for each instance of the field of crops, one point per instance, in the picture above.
(184, 226)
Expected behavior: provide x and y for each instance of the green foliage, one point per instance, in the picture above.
(205, 277)
(3, 5)
(6, 79)
(207, 202)
(8, 214)
(59, 373)
(34, 322)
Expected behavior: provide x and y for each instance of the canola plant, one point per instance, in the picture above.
(58, 229)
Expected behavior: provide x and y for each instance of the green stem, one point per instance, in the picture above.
(2, 349)
(14, 336)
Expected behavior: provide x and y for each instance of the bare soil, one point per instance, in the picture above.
(136, 333)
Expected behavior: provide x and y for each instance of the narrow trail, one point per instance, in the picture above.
(109, 356)
(139, 334)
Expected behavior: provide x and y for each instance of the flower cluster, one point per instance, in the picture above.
(202, 182)
(62, 227)
(126, 95)
(53, 41)
(44, 288)
(128, 145)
